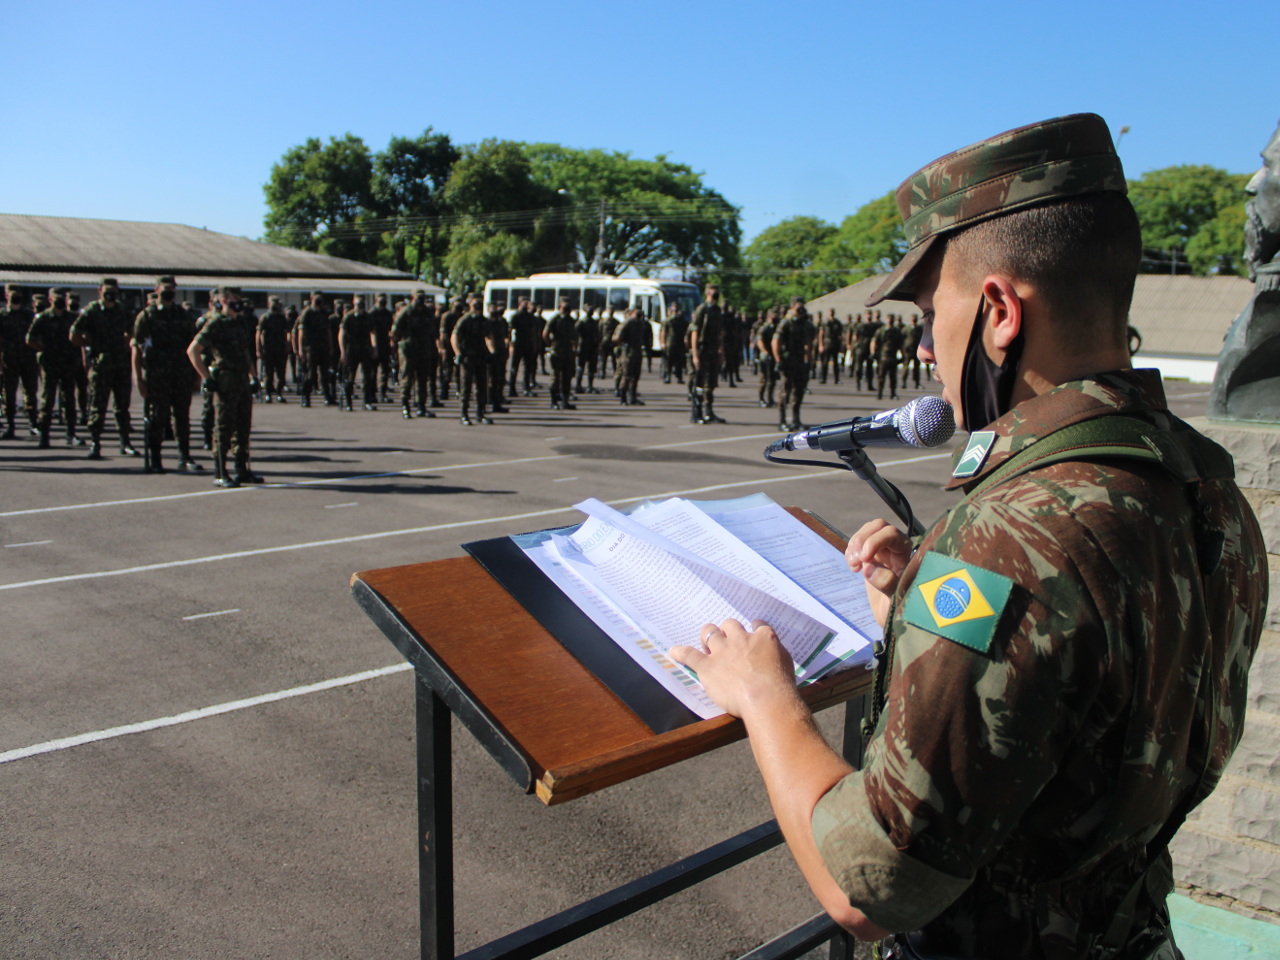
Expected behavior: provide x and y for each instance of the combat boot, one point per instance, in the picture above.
(8, 432)
(152, 463)
(424, 412)
(220, 476)
(126, 448)
(710, 416)
(695, 409)
(245, 475)
(95, 449)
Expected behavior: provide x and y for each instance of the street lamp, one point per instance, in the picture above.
(1120, 135)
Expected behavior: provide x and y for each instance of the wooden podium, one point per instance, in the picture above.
(556, 729)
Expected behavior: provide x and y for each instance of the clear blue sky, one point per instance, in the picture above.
(175, 111)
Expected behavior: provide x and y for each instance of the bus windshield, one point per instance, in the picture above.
(685, 295)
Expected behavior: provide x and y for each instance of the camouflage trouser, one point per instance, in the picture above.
(862, 365)
(795, 379)
(768, 378)
(23, 374)
(829, 358)
(362, 366)
(529, 360)
(233, 417)
(414, 376)
(561, 376)
(497, 367)
(169, 395)
(475, 371)
(889, 371)
(273, 364)
(55, 380)
(631, 361)
(110, 380)
(673, 362)
(315, 372)
(588, 359)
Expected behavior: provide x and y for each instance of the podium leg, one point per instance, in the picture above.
(435, 824)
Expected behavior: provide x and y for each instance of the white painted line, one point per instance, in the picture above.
(240, 554)
(216, 613)
(283, 486)
(563, 479)
(51, 746)
(335, 506)
(697, 443)
(687, 426)
(29, 543)
(549, 439)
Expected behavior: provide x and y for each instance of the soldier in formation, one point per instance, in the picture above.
(793, 351)
(526, 340)
(50, 337)
(161, 334)
(706, 348)
(272, 338)
(630, 341)
(229, 379)
(887, 347)
(19, 369)
(588, 333)
(561, 338)
(765, 361)
(103, 330)
(357, 355)
(472, 343)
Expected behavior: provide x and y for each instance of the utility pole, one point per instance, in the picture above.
(598, 264)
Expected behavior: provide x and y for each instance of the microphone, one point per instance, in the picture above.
(924, 422)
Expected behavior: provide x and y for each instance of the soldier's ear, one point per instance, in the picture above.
(1006, 310)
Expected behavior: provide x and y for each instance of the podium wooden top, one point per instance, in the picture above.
(552, 725)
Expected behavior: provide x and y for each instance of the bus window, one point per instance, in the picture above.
(518, 294)
(572, 294)
(498, 295)
(544, 299)
(648, 303)
(619, 298)
(594, 297)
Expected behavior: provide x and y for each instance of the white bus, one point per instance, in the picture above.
(544, 291)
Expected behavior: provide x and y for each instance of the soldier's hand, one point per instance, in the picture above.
(208, 386)
(255, 386)
(740, 670)
(880, 552)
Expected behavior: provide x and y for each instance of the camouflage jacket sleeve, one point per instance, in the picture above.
(1001, 651)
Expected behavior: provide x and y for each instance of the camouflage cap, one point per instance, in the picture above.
(227, 291)
(109, 282)
(15, 288)
(1038, 163)
(162, 281)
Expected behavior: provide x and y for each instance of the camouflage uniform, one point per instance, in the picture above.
(273, 328)
(630, 340)
(500, 331)
(225, 340)
(312, 329)
(832, 348)
(588, 332)
(526, 335)
(1074, 632)
(108, 331)
(708, 324)
(561, 338)
(18, 367)
(793, 340)
(768, 366)
(161, 335)
(888, 346)
(416, 333)
(911, 354)
(380, 319)
(449, 370)
(355, 340)
(471, 332)
(58, 361)
(674, 329)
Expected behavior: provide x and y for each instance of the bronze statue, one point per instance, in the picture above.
(1247, 384)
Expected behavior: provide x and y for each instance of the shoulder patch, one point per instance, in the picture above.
(975, 453)
(957, 600)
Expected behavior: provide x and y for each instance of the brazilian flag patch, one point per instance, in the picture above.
(957, 600)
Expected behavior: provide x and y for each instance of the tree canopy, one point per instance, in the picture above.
(497, 208)
(1192, 219)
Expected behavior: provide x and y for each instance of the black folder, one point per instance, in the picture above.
(503, 559)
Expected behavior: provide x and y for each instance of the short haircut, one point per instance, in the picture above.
(1081, 254)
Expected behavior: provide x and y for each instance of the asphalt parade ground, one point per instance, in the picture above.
(207, 750)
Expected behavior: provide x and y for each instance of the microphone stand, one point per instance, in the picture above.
(857, 460)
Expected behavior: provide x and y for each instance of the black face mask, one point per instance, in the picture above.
(986, 388)
(166, 296)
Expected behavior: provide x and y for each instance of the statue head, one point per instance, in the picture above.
(1262, 211)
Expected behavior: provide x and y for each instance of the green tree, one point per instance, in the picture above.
(780, 260)
(870, 241)
(316, 191)
(507, 224)
(1187, 217)
(622, 212)
(407, 188)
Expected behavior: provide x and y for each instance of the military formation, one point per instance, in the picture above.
(64, 366)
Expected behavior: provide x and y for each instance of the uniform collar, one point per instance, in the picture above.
(1117, 391)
